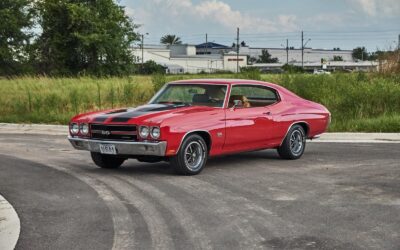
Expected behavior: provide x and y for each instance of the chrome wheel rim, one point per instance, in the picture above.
(194, 155)
(296, 142)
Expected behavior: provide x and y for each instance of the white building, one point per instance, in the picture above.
(294, 55)
(212, 57)
(183, 59)
(330, 66)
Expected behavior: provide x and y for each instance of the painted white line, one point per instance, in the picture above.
(345, 137)
(353, 141)
(9, 225)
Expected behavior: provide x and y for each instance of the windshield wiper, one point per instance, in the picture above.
(177, 104)
(182, 104)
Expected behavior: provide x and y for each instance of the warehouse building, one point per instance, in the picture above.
(291, 55)
(212, 57)
(294, 55)
(183, 58)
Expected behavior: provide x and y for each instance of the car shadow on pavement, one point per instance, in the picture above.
(227, 162)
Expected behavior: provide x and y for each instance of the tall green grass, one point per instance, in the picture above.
(56, 100)
(358, 102)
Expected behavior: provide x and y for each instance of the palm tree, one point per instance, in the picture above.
(170, 39)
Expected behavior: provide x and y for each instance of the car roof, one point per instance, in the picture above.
(230, 82)
(283, 92)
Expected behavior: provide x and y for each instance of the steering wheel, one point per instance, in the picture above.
(214, 100)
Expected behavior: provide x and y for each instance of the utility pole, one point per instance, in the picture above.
(142, 47)
(302, 49)
(398, 50)
(287, 51)
(303, 45)
(237, 51)
(206, 43)
(398, 44)
(142, 51)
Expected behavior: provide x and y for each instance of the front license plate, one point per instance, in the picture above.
(108, 149)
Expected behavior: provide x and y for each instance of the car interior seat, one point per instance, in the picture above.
(200, 98)
(245, 101)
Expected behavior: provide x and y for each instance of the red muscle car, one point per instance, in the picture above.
(188, 121)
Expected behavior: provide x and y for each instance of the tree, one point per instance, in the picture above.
(378, 55)
(170, 40)
(16, 17)
(84, 37)
(243, 44)
(360, 53)
(266, 57)
(337, 58)
(251, 60)
(151, 67)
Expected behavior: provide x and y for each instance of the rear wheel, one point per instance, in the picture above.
(294, 144)
(192, 156)
(106, 161)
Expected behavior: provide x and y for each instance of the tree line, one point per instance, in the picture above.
(65, 37)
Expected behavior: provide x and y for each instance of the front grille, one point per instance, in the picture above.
(113, 132)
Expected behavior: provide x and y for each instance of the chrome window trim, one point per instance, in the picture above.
(278, 95)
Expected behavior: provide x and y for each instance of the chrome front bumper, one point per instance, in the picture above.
(122, 147)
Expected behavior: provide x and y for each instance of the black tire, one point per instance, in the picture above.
(106, 161)
(294, 144)
(198, 148)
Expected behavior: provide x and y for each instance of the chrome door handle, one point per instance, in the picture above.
(267, 113)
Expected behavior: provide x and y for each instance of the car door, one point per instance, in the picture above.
(248, 125)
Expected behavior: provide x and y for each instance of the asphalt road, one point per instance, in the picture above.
(338, 196)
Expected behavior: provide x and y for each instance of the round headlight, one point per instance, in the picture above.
(74, 128)
(144, 132)
(84, 128)
(155, 132)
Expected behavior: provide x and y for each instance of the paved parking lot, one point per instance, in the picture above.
(338, 196)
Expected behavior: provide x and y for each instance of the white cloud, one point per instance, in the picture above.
(213, 11)
(378, 7)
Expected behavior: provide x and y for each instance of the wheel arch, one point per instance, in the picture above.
(305, 125)
(203, 133)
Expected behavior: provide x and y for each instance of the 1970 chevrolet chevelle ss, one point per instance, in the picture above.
(188, 121)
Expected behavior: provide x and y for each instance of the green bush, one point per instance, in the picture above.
(251, 73)
(150, 67)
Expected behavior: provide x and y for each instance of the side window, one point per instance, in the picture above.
(252, 96)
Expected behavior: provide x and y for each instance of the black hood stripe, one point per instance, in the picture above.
(127, 115)
(100, 118)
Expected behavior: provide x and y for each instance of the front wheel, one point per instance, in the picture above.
(192, 156)
(106, 161)
(294, 144)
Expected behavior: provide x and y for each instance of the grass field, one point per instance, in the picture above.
(358, 102)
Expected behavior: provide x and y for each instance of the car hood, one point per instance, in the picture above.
(149, 113)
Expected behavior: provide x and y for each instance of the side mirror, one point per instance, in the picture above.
(237, 104)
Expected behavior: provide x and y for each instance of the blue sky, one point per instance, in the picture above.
(267, 23)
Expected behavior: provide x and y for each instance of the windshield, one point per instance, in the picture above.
(192, 95)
